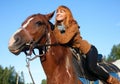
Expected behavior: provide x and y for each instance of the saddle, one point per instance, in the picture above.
(79, 61)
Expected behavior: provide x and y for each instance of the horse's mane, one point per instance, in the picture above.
(52, 25)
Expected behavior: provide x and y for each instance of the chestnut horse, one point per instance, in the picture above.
(36, 32)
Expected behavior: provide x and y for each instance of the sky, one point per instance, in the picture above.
(99, 21)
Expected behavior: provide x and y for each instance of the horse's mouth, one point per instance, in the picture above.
(15, 50)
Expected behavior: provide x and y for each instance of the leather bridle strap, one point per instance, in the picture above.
(30, 44)
(28, 34)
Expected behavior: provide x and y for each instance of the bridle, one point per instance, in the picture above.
(29, 44)
(33, 44)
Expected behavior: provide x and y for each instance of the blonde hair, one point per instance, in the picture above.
(69, 17)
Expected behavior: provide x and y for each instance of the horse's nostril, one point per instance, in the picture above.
(17, 39)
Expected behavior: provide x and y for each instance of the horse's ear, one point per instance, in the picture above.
(50, 15)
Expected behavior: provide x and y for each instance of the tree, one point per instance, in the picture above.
(114, 54)
(43, 81)
(9, 76)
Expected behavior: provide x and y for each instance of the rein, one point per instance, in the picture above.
(28, 59)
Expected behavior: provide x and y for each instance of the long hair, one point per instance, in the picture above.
(69, 17)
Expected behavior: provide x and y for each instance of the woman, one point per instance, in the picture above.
(67, 32)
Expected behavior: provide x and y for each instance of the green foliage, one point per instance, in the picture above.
(9, 76)
(44, 81)
(115, 53)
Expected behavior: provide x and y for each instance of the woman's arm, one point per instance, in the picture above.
(68, 35)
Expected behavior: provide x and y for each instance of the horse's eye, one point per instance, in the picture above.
(39, 23)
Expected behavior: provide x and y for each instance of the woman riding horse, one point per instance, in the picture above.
(67, 32)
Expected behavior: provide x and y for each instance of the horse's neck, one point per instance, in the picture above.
(51, 37)
(59, 58)
(60, 51)
(58, 63)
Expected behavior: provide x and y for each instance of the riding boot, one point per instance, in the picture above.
(113, 80)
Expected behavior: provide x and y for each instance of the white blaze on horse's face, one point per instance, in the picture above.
(28, 21)
(12, 39)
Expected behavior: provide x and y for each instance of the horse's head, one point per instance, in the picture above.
(32, 30)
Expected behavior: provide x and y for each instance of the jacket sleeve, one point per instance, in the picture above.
(64, 38)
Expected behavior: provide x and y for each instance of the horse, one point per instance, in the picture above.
(36, 32)
(58, 62)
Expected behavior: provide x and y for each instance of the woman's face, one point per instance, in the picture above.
(60, 15)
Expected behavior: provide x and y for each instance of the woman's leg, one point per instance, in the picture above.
(91, 58)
